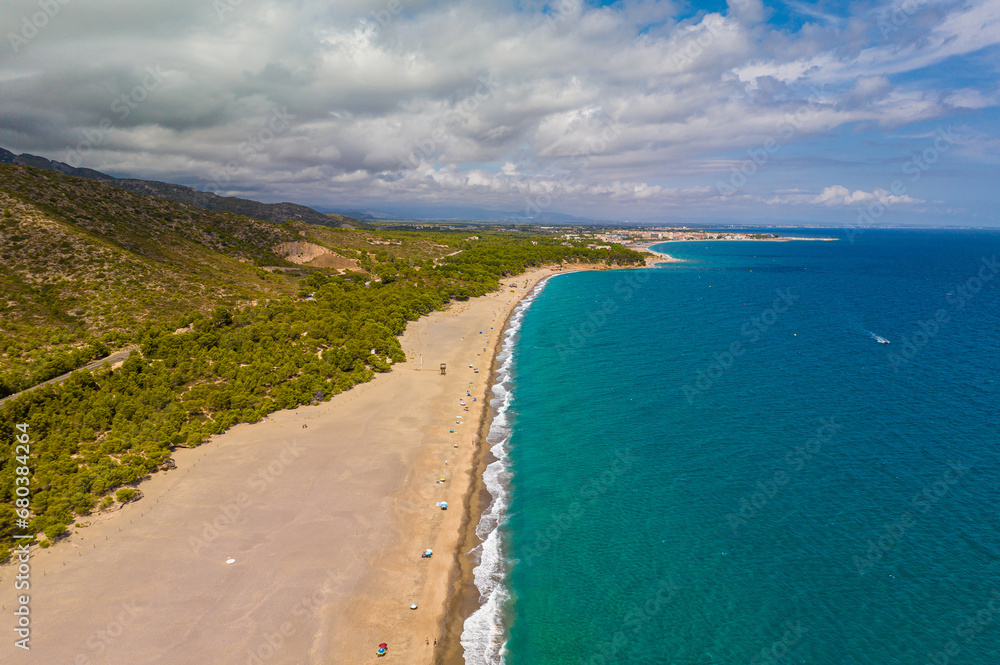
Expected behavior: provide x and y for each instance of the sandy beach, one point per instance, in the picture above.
(293, 540)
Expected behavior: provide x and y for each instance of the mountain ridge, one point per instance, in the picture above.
(278, 213)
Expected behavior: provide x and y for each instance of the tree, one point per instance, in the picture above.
(125, 494)
(56, 530)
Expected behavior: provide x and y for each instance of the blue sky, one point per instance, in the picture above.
(823, 112)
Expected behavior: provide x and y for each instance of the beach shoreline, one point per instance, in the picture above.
(358, 512)
(464, 596)
(296, 539)
(657, 257)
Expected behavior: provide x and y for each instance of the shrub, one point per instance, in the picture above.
(56, 530)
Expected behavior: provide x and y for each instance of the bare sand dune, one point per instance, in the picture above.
(325, 525)
(311, 254)
(333, 261)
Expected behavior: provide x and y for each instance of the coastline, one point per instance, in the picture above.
(657, 257)
(324, 511)
(464, 596)
(663, 257)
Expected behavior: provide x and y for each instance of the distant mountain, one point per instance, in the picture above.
(7, 157)
(368, 216)
(278, 213)
(453, 213)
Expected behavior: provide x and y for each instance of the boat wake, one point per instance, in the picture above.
(877, 338)
(484, 634)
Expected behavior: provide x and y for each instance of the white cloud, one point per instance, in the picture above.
(638, 106)
(838, 195)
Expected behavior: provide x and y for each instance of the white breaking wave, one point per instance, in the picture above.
(483, 635)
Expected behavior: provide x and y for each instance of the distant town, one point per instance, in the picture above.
(633, 237)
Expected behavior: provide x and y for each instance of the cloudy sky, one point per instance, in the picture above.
(631, 110)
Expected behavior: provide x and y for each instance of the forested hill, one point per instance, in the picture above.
(89, 268)
(85, 264)
(271, 212)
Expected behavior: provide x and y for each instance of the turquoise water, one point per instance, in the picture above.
(716, 462)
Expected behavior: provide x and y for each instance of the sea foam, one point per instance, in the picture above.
(484, 634)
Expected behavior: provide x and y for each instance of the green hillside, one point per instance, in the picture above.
(86, 263)
(222, 341)
(272, 212)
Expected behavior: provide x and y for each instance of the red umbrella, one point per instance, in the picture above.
(383, 646)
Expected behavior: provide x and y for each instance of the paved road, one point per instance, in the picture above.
(116, 357)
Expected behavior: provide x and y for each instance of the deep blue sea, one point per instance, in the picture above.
(716, 461)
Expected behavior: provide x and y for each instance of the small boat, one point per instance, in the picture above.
(382, 648)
